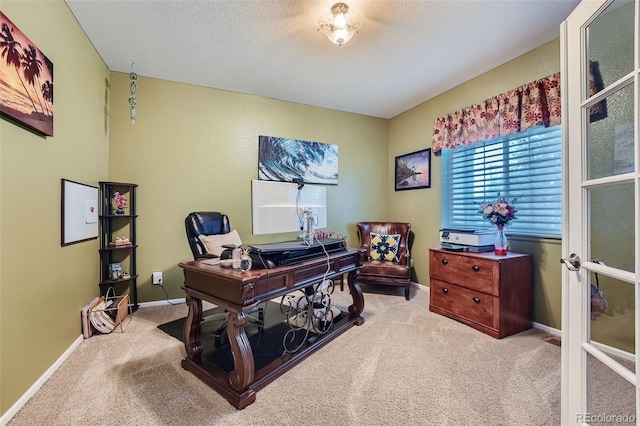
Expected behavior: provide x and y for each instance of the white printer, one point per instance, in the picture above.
(461, 240)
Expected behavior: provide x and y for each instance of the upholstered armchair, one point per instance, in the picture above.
(387, 260)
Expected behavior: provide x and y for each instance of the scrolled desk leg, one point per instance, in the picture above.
(358, 299)
(243, 365)
(191, 334)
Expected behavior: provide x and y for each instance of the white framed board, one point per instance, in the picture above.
(277, 206)
(79, 212)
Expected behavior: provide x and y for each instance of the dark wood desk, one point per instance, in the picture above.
(239, 292)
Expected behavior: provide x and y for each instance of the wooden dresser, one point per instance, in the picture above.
(490, 293)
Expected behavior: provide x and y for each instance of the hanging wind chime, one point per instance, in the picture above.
(132, 99)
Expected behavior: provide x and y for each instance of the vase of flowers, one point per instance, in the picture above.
(499, 213)
(121, 202)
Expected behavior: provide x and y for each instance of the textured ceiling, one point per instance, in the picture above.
(407, 52)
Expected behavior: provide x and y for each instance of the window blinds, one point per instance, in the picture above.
(526, 166)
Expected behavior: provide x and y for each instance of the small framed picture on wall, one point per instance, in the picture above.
(413, 170)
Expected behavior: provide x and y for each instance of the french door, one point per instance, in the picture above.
(600, 284)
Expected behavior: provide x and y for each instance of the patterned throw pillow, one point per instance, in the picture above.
(384, 247)
(213, 243)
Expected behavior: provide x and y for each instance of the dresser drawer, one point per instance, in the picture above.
(471, 272)
(468, 304)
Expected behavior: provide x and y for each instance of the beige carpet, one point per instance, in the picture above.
(403, 366)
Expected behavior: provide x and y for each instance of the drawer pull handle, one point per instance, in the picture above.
(445, 261)
(476, 300)
(445, 290)
(476, 268)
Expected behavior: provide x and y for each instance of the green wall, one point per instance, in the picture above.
(196, 149)
(413, 130)
(191, 148)
(43, 286)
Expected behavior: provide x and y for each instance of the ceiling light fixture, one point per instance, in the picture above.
(340, 24)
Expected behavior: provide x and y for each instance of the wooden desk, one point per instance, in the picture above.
(239, 292)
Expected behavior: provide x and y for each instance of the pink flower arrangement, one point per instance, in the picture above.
(499, 212)
(121, 200)
(324, 234)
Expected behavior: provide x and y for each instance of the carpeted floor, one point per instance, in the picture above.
(403, 366)
(266, 344)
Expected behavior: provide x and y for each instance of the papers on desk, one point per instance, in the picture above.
(212, 262)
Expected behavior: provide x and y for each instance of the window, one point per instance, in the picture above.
(526, 166)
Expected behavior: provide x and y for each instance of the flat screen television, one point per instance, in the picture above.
(279, 207)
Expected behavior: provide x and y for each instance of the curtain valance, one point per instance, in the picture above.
(533, 104)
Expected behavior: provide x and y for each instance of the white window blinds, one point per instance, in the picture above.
(526, 166)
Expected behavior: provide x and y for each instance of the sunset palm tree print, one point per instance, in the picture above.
(26, 86)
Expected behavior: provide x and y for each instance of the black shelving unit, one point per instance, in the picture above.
(113, 225)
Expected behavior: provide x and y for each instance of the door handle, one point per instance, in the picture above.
(573, 263)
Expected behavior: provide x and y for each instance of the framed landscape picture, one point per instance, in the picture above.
(26, 81)
(413, 171)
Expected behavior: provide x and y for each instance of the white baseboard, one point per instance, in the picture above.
(547, 329)
(604, 348)
(47, 374)
(162, 303)
(38, 384)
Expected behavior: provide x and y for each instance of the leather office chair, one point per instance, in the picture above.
(213, 223)
(382, 264)
(204, 223)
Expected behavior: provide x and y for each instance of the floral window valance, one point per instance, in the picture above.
(533, 104)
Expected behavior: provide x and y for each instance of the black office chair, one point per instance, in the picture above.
(213, 223)
(204, 223)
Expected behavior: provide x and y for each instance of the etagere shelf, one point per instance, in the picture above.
(118, 241)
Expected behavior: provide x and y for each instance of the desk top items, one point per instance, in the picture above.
(329, 234)
(226, 263)
(236, 256)
(324, 234)
(245, 261)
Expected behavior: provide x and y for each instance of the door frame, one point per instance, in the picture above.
(576, 345)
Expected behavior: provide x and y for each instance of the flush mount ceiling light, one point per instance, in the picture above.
(340, 24)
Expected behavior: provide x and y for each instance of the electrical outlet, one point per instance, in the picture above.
(157, 277)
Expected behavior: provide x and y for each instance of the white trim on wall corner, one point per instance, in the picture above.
(47, 374)
(604, 348)
(554, 331)
(38, 384)
(162, 303)
(8, 415)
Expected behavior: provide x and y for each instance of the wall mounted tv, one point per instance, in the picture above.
(279, 206)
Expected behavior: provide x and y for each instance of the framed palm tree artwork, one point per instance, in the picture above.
(26, 81)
